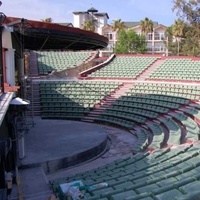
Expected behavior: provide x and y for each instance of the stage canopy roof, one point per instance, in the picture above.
(38, 35)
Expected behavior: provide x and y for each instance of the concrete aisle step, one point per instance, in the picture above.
(150, 70)
(39, 188)
(108, 102)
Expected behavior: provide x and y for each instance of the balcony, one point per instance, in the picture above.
(156, 50)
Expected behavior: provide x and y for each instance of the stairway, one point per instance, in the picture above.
(143, 76)
(36, 99)
(32, 94)
(107, 102)
(33, 69)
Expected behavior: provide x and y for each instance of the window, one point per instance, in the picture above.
(156, 36)
(150, 36)
(159, 36)
(162, 36)
(109, 35)
(160, 48)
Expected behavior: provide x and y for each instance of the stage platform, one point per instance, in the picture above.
(58, 144)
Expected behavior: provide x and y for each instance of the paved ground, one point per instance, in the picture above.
(53, 139)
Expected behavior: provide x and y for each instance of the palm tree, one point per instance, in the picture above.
(88, 26)
(48, 20)
(118, 25)
(146, 26)
(169, 38)
(178, 30)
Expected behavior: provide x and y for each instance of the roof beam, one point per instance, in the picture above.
(44, 43)
(19, 21)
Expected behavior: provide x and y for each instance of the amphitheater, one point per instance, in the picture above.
(147, 113)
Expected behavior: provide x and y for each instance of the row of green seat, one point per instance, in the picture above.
(77, 84)
(142, 113)
(138, 111)
(162, 175)
(60, 60)
(127, 121)
(142, 140)
(55, 98)
(127, 111)
(166, 104)
(142, 108)
(177, 69)
(158, 135)
(124, 67)
(174, 130)
(53, 114)
(192, 128)
(176, 90)
(123, 123)
(195, 112)
(129, 116)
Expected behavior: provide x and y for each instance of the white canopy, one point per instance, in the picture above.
(19, 101)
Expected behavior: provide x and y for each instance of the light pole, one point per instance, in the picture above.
(2, 143)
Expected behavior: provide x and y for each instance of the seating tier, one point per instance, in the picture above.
(72, 99)
(49, 61)
(178, 69)
(165, 174)
(124, 67)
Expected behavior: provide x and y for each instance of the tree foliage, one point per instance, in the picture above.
(189, 12)
(179, 28)
(191, 45)
(176, 34)
(88, 26)
(130, 42)
(146, 26)
(118, 25)
(170, 44)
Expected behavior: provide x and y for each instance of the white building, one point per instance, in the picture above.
(98, 18)
(155, 40)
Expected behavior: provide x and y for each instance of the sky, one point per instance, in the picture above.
(62, 10)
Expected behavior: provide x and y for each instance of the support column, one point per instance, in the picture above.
(10, 66)
(20, 66)
(1, 62)
(153, 41)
